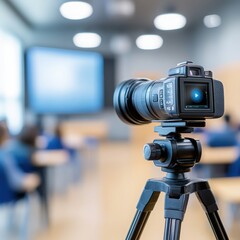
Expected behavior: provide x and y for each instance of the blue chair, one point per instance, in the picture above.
(234, 168)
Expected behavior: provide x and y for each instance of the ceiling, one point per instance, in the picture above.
(44, 15)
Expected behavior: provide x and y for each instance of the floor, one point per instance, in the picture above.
(102, 205)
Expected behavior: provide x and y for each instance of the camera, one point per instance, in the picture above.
(188, 93)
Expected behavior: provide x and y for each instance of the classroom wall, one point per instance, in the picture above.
(11, 23)
(220, 46)
(155, 63)
(229, 75)
(219, 50)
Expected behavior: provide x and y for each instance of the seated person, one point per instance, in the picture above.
(23, 147)
(55, 142)
(17, 180)
(22, 150)
(13, 180)
(224, 137)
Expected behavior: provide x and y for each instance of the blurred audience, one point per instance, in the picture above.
(15, 184)
(225, 136)
(23, 147)
(18, 179)
(56, 142)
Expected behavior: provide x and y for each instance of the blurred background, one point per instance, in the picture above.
(69, 168)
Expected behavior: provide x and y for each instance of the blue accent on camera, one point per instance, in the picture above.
(196, 95)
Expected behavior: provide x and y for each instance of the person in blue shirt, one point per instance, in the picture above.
(55, 142)
(14, 181)
(226, 136)
(15, 184)
(23, 147)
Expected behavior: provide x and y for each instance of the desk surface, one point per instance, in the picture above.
(50, 157)
(219, 155)
(226, 189)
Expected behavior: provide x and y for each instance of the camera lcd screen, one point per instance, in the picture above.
(196, 95)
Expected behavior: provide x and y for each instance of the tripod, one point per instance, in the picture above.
(175, 155)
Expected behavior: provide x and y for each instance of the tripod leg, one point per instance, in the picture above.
(209, 205)
(145, 206)
(175, 209)
(172, 229)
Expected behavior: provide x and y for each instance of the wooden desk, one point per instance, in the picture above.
(226, 189)
(219, 155)
(91, 128)
(45, 158)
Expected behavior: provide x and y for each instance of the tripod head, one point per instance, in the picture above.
(175, 154)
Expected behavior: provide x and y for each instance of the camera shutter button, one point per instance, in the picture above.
(152, 151)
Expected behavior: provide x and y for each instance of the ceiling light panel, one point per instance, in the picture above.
(76, 10)
(149, 42)
(120, 44)
(212, 21)
(170, 21)
(124, 8)
(87, 40)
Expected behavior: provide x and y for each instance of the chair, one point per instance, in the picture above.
(234, 168)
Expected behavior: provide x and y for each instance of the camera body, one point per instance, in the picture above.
(188, 93)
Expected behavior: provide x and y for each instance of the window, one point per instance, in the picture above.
(11, 82)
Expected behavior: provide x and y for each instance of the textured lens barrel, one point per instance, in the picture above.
(131, 101)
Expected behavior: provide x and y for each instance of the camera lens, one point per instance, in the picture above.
(131, 101)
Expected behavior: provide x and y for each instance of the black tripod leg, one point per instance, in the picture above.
(145, 206)
(209, 205)
(174, 211)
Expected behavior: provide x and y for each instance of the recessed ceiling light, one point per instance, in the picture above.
(212, 21)
(170, 21)
(149, 42)
(87, 40)
(76, 10)
(120, 44)
(117, 8)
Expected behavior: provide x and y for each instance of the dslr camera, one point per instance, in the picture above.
(188, 93)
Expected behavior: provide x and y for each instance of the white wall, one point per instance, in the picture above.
(11, 23)
(220, 46)
(175, 49)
